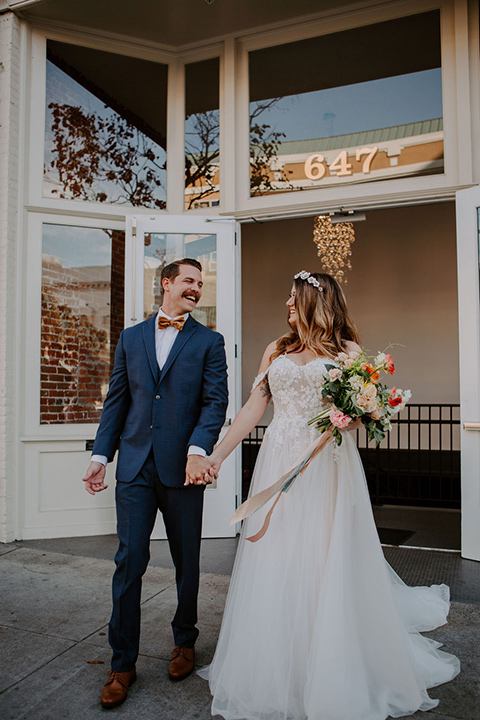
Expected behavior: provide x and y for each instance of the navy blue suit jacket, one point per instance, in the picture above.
(184, 404)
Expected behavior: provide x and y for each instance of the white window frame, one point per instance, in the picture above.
(175, 123)
(456, 95)
(467, 209)
(29, 362)
(458, 91)
(220, 499)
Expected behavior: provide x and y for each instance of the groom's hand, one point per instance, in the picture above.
(198, 471)
(94, 477)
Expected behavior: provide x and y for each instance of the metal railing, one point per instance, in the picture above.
(418, 463)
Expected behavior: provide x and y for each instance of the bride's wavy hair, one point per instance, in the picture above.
(322, 320)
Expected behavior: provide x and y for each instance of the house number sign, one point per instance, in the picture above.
(316, 165)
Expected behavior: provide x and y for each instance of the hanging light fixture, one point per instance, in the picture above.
(333, 235)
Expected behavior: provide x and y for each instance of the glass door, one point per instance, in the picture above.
(151, 243)
(468, 249)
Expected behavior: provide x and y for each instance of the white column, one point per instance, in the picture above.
(463, 100)
(10, 92)
(228, 127)
(242, 129)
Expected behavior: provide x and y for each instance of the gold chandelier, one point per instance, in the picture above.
(334, 241)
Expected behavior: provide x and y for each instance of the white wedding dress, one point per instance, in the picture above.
(317, 625)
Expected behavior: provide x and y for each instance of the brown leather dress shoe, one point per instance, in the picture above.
(116, 688)
(182, 663)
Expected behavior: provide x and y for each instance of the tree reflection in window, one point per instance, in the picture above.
(105, 142)
(202, 138)
(202, 159)
(202, 134)
(264, 147)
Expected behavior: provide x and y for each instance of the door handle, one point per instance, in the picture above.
(471, 425)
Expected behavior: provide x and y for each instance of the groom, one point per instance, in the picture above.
(165, 407)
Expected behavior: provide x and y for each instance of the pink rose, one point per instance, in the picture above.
(335, 374)
(338, 419)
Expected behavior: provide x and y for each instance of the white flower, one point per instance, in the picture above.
(366, 399)
(346, 360)
(380, 359)
(367, 405)
(335, 374)
(377, 413)
(356, 382)
(370, 391)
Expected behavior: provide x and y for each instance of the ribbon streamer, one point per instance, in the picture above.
(284, 484)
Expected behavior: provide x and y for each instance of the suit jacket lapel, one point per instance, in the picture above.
(182, 337)
(149, 339)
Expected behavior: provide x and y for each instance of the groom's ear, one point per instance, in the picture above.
(165, 284)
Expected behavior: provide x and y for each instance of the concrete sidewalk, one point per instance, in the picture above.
(55, 605)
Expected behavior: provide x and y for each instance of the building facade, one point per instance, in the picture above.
(220, 131)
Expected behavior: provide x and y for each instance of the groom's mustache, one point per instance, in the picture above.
(191, 293)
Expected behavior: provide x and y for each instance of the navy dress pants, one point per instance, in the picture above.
(137, 504)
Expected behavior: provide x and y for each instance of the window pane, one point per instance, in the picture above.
(202, 130)
(105, 127)
(356, 106)
(82, 318)
(162, 249)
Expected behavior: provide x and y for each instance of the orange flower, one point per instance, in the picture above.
(374, 376)
(389, 366)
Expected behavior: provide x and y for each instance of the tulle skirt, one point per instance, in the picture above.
(317, 625)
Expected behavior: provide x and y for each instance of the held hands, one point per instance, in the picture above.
(200, 470)
(94, 478)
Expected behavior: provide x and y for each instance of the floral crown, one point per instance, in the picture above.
(304, 275)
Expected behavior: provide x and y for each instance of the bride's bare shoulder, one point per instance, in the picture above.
(266, 356)
(351, 346)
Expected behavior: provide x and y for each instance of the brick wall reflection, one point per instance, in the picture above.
(82, 317)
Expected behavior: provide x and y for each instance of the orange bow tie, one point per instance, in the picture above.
(164, 323)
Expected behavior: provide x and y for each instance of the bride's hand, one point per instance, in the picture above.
(355, 425)
(215, 465)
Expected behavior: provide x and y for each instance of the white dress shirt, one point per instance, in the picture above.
(164, 340)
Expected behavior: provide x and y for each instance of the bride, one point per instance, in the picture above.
(317, 625)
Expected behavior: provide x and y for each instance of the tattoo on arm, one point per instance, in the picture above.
(265, 389)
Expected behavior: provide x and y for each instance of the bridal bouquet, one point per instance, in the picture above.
(353, 390)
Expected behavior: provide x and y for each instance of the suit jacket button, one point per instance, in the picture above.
(157, 397)
(151, 427)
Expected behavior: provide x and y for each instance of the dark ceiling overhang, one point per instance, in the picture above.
(171, 23)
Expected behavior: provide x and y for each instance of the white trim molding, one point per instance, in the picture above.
(10, 182)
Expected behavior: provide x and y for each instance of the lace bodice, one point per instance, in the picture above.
(297, 397)
(296, 389)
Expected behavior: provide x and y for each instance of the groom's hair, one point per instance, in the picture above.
(173, 269)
